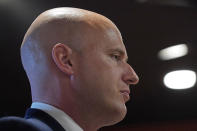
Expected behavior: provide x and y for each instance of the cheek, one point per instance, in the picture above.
(105, 72)
(99, 74)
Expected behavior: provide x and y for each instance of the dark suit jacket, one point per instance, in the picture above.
(34, 120)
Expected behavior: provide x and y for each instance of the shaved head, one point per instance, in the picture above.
(76, 61)
(71, 26)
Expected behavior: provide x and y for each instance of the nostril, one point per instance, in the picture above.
(134, 80)
(131, 79)
(131, 82)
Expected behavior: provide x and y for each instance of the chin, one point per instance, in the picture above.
(122, 113)
(118, 115)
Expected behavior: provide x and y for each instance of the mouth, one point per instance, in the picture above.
(125, 94)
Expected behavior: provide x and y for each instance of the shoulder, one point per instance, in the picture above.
(13, 123)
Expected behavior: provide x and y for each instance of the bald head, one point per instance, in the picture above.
(70, 26)
(75, 60)
(75, 28)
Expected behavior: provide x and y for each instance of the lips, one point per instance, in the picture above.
(125, 94)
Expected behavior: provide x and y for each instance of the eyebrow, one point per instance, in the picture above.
(121, 52)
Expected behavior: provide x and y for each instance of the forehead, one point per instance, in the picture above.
(114, 40)
(103, 34)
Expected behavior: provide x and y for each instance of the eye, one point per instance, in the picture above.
(116, 57)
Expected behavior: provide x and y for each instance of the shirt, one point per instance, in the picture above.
(64, 120)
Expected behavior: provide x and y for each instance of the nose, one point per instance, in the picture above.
(130, 77)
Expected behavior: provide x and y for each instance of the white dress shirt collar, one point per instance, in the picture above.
(64, 120)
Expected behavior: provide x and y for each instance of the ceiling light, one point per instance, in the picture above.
(173, 52)
(180, 79)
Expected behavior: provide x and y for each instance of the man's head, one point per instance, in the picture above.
(76, 60)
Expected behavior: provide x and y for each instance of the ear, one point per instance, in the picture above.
(61, 54)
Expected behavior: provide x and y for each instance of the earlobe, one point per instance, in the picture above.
(61, 55)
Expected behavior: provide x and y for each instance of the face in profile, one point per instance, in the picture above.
(103, 75)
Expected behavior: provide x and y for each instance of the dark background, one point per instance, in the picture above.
(147, 26)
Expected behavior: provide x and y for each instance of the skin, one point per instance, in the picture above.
(76, 61)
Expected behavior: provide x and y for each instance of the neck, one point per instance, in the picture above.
(86, 121)
(81, 113)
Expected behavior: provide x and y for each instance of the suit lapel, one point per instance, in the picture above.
(44, 117)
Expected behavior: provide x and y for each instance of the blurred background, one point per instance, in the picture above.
(161, 41)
